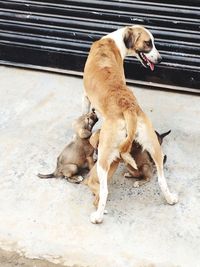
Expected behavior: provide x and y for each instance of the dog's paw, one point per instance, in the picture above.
(136, 184)
(95, 217)
(172, 199)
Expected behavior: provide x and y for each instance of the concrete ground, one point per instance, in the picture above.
(49, 219)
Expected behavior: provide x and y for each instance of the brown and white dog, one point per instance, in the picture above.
(124, 120)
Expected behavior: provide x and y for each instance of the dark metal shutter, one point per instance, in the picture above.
(56, 35)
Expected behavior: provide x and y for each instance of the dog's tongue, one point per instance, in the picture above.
(151, 65)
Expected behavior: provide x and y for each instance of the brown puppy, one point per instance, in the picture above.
(124, 120)
(145, 165)
(77, 154)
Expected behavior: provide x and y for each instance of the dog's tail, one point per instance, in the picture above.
(46, 176)
(161, 136)
(131, 125)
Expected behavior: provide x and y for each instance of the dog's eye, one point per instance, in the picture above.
(148, 43)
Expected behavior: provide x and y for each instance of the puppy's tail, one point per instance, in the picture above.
(131, 124)
(46, 176)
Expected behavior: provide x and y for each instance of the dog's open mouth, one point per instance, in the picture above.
(145, 61)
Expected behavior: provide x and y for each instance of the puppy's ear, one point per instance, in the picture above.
(164, 159)
(161, 136)
(130, 37)
(157, 133)
(84, 133)
(165, 134)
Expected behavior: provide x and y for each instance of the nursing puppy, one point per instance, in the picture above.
(78, 154)
(124, 120)
(145, 165)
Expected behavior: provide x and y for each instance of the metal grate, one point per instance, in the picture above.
(57, 34)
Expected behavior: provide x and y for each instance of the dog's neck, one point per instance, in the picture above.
(118, 37)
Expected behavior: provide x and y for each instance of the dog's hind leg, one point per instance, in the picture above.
(157, 156)
(102, 172)
(130, 118)
(147, 138)
(105, 170)
(93, 182)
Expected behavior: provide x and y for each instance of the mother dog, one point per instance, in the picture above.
(124, 120)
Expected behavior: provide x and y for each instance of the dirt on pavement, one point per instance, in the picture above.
(13, 259)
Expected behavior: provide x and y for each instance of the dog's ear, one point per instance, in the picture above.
(130, 37)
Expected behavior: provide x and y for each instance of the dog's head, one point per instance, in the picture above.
(140, 43)
(84, 124)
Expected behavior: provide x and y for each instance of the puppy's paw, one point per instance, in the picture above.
(95, 217)
(79, 179)
(172, 199)
(136, 184)
(127, 175)
(75, 179)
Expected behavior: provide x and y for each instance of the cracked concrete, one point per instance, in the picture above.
(49, 219)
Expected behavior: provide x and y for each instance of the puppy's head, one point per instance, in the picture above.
(140, 43)
(84, 124)
(91, 119)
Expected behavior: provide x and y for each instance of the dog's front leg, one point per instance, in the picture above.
(85, 104)
(97, 216)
